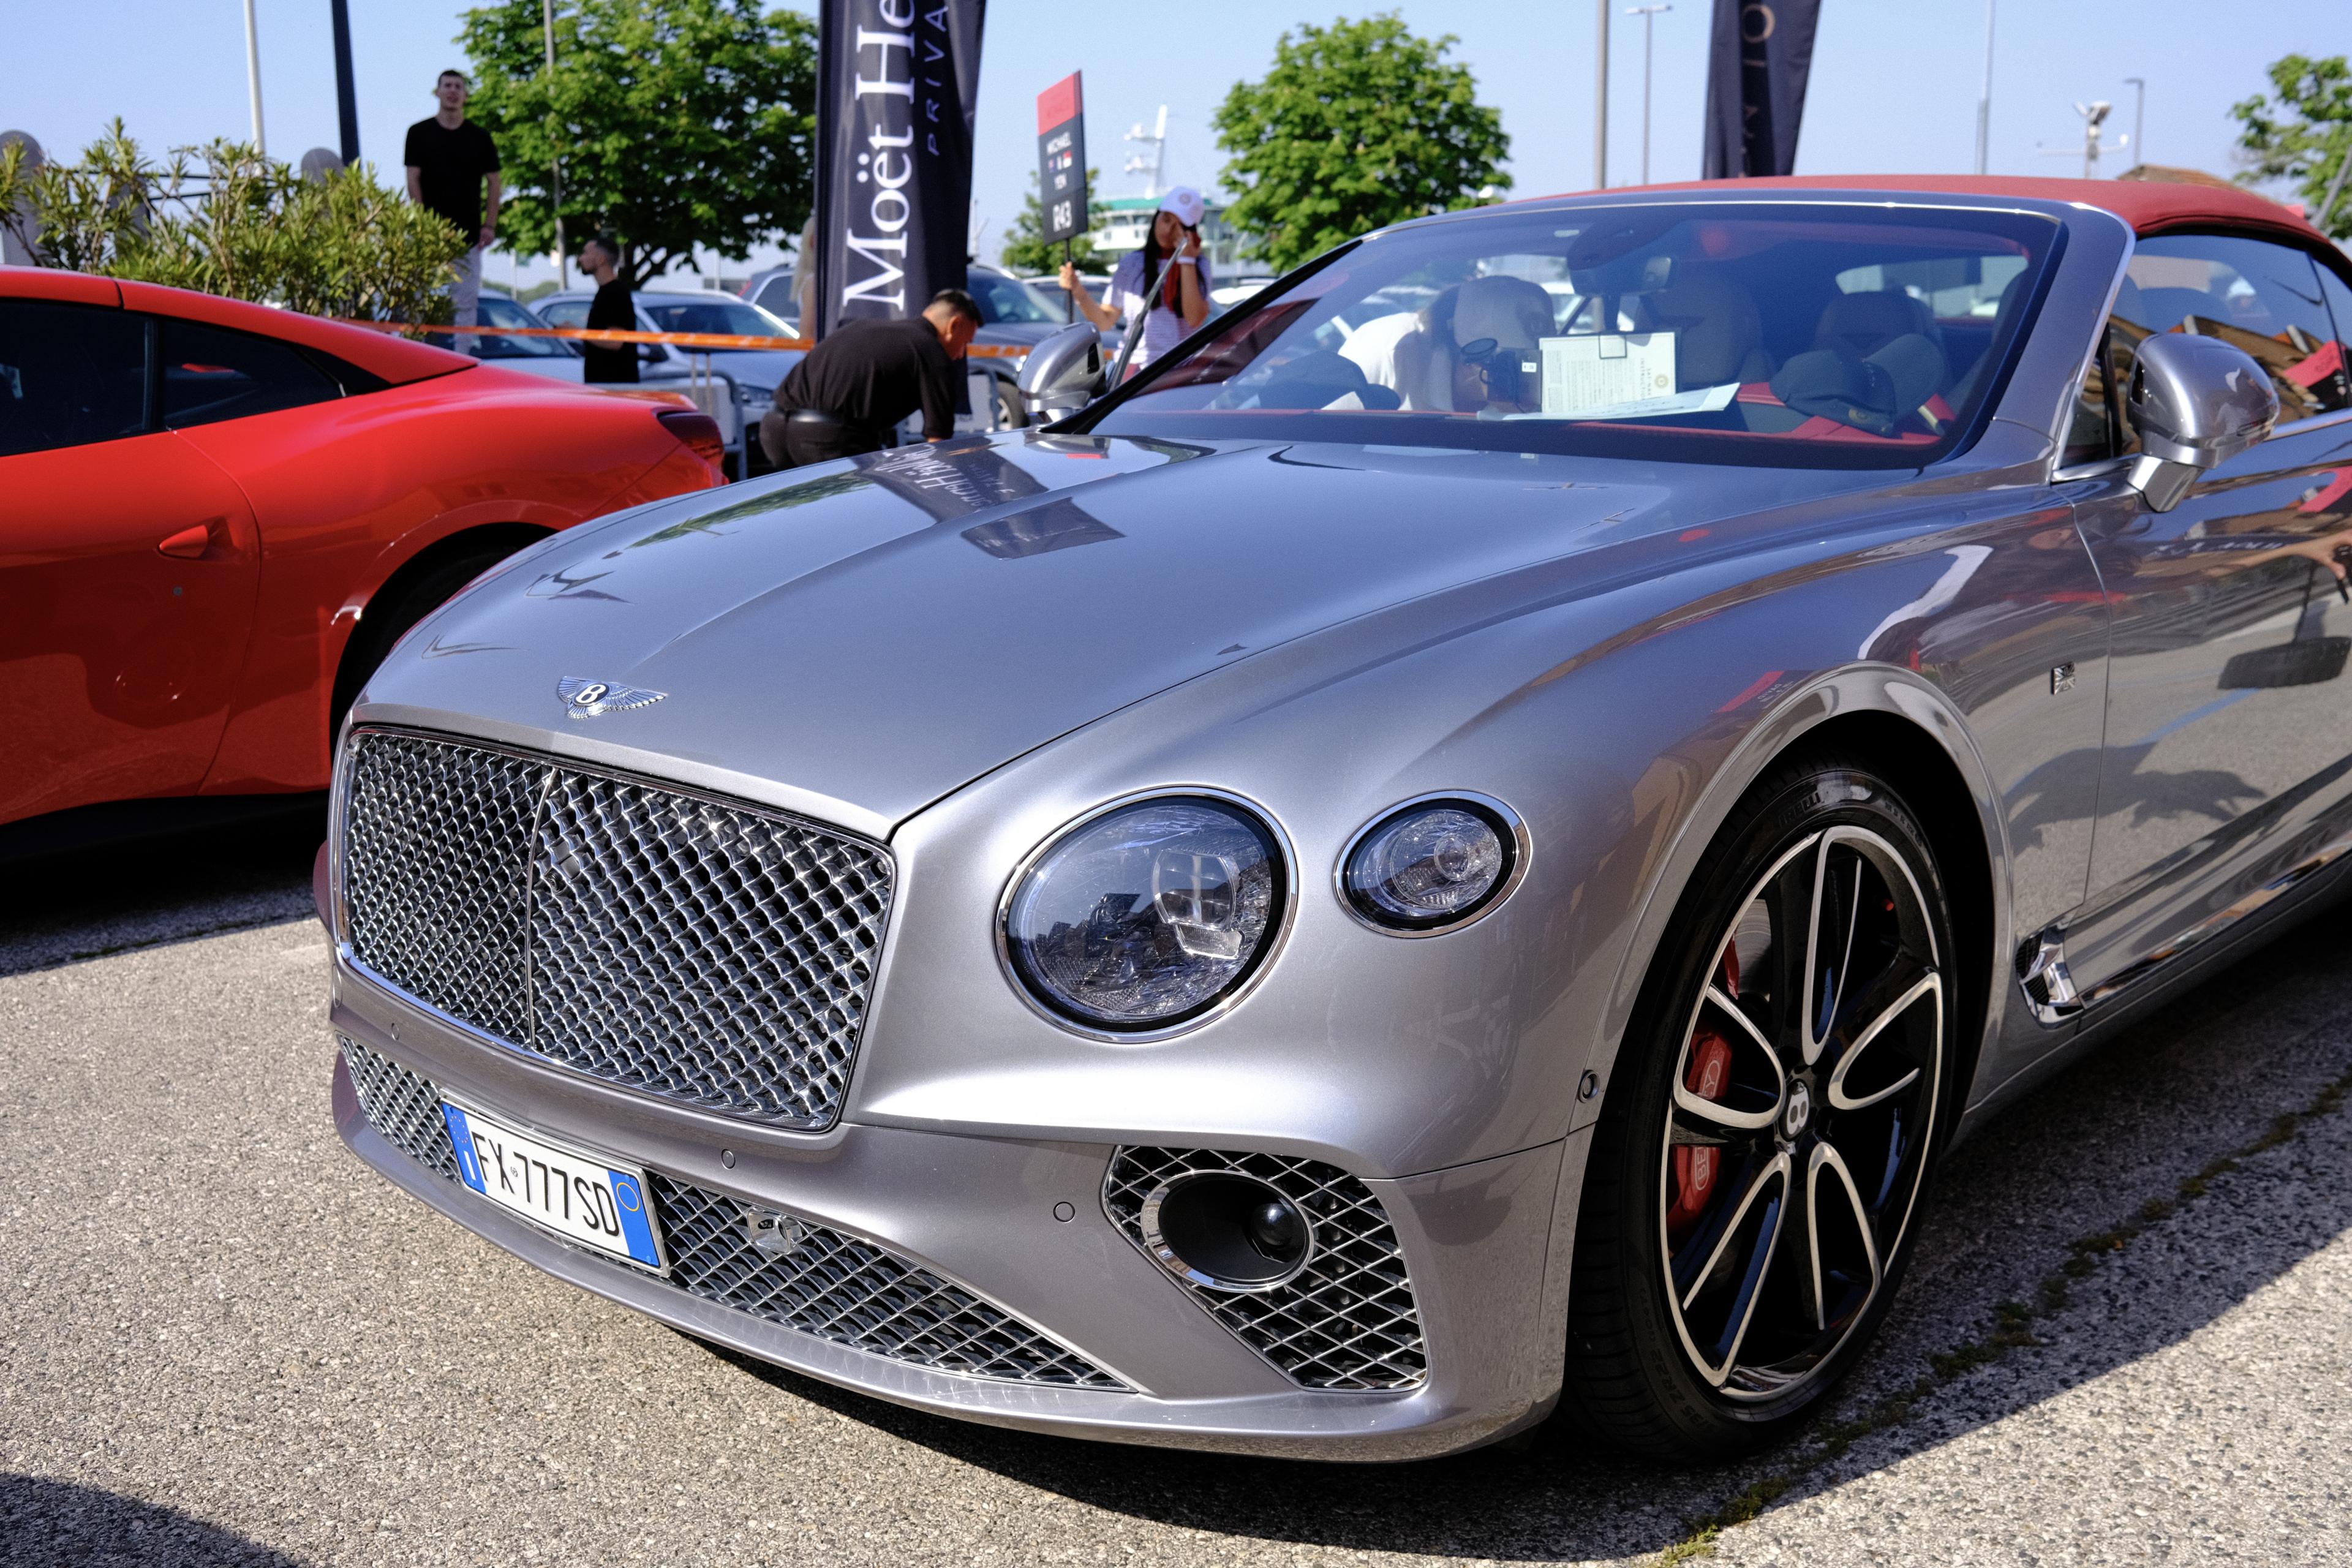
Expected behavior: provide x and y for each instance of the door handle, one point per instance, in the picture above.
(193, 543)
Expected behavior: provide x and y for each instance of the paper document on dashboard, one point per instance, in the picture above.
(1699, 400)
(1594, 370)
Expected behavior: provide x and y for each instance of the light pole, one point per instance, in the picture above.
(253, 77)
(555, 164)
(346, 107)
(1649, 15)
(2094, 115)
(1600, 104)
(2139, 117)
(1984, 98)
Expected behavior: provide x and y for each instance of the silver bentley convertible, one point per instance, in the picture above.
(1457, 846)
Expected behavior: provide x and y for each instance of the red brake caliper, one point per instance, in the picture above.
(1697, 1166)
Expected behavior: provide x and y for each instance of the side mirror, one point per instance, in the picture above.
(2196, 403)
(1063, 373)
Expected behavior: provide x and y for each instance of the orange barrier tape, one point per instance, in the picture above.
(617, 336)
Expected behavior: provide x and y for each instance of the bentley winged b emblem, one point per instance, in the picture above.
(587, 699)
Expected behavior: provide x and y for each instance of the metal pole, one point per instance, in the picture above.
(1984, 100)
(1600, 104)
(555, 167)
(347, 105)
(253, 77)
(2334, 189)
(2139, 117)
(1649, 15)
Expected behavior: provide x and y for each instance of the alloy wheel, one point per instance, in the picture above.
(1802, 1104)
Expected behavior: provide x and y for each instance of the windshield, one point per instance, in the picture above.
(1002, 299)
(491, 310)
(1810, 335)
(711, 316)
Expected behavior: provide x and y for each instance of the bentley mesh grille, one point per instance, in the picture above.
(713, 954)
(850, 1291)
(1348, 1318)
(790, 1271)
(403, 1107)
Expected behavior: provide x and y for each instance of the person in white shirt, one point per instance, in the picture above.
(1170, 268)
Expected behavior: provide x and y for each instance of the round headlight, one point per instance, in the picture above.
(1147, 915)
(1431, 866)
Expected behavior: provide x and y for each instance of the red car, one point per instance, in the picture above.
(216, 518)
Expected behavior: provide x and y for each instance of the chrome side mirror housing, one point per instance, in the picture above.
(1062, 375)
(2196, 403)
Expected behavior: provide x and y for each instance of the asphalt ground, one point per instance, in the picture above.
(225, 1341)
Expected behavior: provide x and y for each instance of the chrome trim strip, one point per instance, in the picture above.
(2215, 924)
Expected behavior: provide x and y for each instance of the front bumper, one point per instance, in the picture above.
(982, 1213)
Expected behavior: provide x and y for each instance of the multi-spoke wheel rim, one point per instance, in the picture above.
(1804, 1099)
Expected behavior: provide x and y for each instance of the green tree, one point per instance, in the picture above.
(253, 229)
(678, 122)
(2303, 133)
(1357, 124)
(1026, 254)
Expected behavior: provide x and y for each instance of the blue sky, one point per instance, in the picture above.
(1894, 82)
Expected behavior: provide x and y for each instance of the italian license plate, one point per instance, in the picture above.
(581, 1197)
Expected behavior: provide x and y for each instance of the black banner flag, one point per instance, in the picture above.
(1761, 53)
(1062, 159)
(897, 80)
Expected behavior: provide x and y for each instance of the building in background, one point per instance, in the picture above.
(1125, 220)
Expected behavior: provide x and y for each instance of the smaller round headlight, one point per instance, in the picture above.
(1431, 866)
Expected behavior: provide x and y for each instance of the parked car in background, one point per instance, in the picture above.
(555, 358)
(1374, 881)
(745, 379)
(1225, 296)
(1049, 288)
(216, 518)
(777, 291)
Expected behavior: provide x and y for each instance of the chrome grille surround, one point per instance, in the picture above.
(823, 1283)
(704, 950)
(1348, 1320)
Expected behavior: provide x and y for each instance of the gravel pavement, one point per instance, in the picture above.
(225, 1341)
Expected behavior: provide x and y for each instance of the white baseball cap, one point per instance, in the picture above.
(1186, 203)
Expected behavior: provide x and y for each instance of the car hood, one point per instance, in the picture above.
(875, 633)
(762, 368)
(1017, 334)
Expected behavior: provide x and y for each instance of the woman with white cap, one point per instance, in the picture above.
(1166, 282)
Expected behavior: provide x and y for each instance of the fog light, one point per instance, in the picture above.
(1227, 1232)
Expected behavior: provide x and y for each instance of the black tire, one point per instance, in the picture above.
(1726, 1275)
(1009, 414)
(389, 618)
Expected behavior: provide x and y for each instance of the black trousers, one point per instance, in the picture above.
(808, 436)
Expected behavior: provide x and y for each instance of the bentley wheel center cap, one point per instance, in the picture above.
(1798, 1113)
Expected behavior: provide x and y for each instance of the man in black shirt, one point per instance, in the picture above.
(867, 375)
(448, 157)
(612, 307)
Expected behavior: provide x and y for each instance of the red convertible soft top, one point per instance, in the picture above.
(396, 359)
(2150, 206)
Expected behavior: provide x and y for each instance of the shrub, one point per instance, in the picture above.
(223, 219)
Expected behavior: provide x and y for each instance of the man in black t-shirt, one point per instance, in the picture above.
(448, 158)
(612, 307)
(864, 377)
